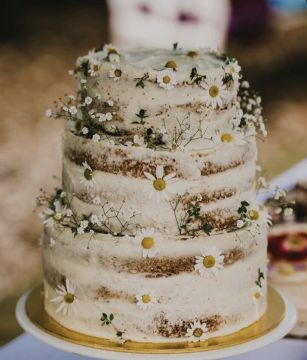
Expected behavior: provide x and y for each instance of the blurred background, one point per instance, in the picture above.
(39, 42)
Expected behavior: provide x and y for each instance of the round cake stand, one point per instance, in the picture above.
(275, 324)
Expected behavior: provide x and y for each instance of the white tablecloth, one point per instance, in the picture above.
(25, 347)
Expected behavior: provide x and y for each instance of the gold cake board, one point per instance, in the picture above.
(32, 317)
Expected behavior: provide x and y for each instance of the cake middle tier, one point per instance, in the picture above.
(173, 192)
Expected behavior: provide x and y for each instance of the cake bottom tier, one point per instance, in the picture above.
(189, 289)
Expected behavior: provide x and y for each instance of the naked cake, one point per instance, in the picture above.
(155, 234)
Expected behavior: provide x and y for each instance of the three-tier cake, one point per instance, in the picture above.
(156, 235)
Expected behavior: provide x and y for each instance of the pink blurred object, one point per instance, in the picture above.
(160, 23)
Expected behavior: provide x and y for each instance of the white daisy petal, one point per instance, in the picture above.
(149, 176)
(159, 171)
(169, 176)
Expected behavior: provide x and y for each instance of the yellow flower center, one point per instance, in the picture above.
(88, 174)
(257, 295)
(96, 67)
(69, 298)
(171, 64)
(148, 242)
(231, 69)
(166, 79)
(57, 216)
(118, 73)
(146, 298)
(198, 332)
(226, 138)
(192, 53)
(159, 184)
(214, 91)
(254, 214)
(208, 261)
(112, 51)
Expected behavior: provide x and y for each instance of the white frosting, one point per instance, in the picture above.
(110, 271)
(135, 194)
(72, 259)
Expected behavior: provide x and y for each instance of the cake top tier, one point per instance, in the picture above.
(182, 61)
(213, 76)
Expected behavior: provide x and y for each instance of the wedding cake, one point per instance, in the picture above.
(156, 235)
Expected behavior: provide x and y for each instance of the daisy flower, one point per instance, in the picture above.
(229, 135)
(147, 241)
(160, 183)
(233, 69)
(87, 177)
(167, 79)
(58, 215)
(95, 66)
(66, 299)
(210, 261)
(197, 332)
(145, 299)
(115, 73)
(215, 91)
(111, 52)
(259, 215)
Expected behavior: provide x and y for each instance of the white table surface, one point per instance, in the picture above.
(26, 347)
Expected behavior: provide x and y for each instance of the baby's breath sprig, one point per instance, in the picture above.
(183, 133)
(251, 106)
(111, 217)
(140, 82)
(279, 203)
(86, 116)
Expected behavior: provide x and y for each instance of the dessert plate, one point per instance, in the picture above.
(278, 320)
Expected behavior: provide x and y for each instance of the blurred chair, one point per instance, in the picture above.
(160, 23)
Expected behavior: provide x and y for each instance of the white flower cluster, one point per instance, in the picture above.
(56, 214)
(94, 59)
(251, 106)
(84, 227)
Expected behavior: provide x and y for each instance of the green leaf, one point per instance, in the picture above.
(140, 81)
(260, 277)
(207, 228)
